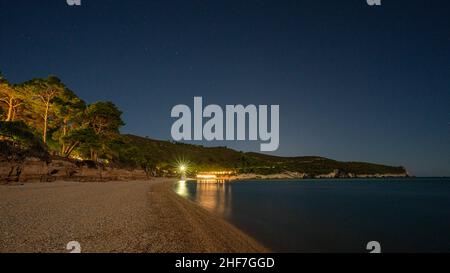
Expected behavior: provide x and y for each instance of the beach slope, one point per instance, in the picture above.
(133, 216)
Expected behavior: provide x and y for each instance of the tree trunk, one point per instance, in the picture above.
(47, 105)
(63, 146)
(10, 110)
(14, 114)
(70, 149)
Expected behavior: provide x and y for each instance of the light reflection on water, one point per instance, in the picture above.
(181, 188)
(213, 195)
(404, 215)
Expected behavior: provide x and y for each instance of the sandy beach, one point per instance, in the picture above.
(133, 216)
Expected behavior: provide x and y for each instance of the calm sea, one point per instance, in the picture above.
(403, 215)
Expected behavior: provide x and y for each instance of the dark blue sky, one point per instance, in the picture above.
(353, 82)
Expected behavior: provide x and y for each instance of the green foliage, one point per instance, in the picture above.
(42, 97)
(15, 131)
(84, 140)
(64, 122)
(16, 135)
(70, 113)
(104, 117)
(46, 107)
(136, 149)
(11, 99)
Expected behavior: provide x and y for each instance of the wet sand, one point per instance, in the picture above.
(134, 216)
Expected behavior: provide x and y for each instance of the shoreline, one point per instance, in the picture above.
(216, 235)
(301, 176)
(270, 179)
(122, 216)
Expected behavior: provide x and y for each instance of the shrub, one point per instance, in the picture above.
(16, 138)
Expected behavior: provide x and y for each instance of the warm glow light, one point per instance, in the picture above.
(181, 188)
(213, 174)
(206, 176)
(182, 168)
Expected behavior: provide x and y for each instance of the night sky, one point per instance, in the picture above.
(354, 82)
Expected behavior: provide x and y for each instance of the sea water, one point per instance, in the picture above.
(403, 215)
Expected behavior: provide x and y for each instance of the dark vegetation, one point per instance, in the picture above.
(213, 158)
(43, 118)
